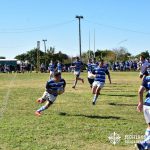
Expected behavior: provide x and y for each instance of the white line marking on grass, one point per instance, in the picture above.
(6, 98)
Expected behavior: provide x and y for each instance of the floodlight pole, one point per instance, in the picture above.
(79, 18)
(38, 57)
(44, 40)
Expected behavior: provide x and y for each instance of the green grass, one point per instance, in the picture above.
(72, 123)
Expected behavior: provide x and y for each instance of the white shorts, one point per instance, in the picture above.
(51, 73)
(98, 84)
(146, 111)
(48, 97)
(77, 73)
(89, 75)
(60, 71)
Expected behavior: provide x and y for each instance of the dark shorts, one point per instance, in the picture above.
(90, 81)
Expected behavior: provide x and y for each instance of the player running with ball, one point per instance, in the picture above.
(99, 74)
(54, 87)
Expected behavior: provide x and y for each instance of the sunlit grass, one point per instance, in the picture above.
(72, 123)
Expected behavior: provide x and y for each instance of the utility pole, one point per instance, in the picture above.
(38, 57)
(44, 40)
(89, 44)
(79, 18)
(94, 43)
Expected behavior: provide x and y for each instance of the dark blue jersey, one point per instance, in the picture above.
(51, 67)
(59, 66)
(78, 65)
(53, 86)
(89, 67)
(94, 65)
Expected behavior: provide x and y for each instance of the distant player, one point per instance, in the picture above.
(145, 107)
(89, 70)
(54, 87)
(77, 70)
(51, 69)
(91, 66)
(99, 74)
(143, 65)
(59, 66)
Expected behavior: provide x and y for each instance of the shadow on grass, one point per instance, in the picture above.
(115, 104)
(91, 116)
(121, 95)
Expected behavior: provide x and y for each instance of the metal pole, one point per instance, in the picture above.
(45, 50)
(79, 18)
(94, 43)
(89, 44)
(38, 57)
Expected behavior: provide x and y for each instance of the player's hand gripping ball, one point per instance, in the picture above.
(60, 90)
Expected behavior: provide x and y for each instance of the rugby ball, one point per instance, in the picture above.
(60, 90)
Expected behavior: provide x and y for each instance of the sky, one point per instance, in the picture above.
(117, 23)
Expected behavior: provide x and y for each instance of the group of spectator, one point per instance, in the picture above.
(127, 65)
(19, 68)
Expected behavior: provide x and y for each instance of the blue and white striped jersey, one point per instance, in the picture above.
(51, 67)
(100, 73)
(94, 65)
(59, 66)
(89, 67)
(53, 86)
(78, 65)
(146, 84)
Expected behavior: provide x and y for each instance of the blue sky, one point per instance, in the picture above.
(117, 23)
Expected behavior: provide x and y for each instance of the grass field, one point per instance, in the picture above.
(72, 123)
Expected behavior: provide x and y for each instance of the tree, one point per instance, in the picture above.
(145, 54)
(121, 54)
(107, 55)
(2, 57)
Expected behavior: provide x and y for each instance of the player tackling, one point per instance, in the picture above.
(54, 87)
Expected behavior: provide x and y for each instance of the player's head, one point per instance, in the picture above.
(94, 60)
(57, 76)
(51, 61)
(101, 62)
(142, 58)
(89, 60)
(77, 58)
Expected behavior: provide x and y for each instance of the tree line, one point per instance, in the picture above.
(118, 54)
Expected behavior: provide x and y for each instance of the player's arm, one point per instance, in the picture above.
(64, 85)
(108, 74)
(92, 73)
(140, 96)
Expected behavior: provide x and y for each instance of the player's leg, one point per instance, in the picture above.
(94, 91)
(46, 106)
(90, 82)
(51, 74)
(145, 144)
(49, 101)
(75, 82)
(78, 78)
(43, 98)
(97, 90)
